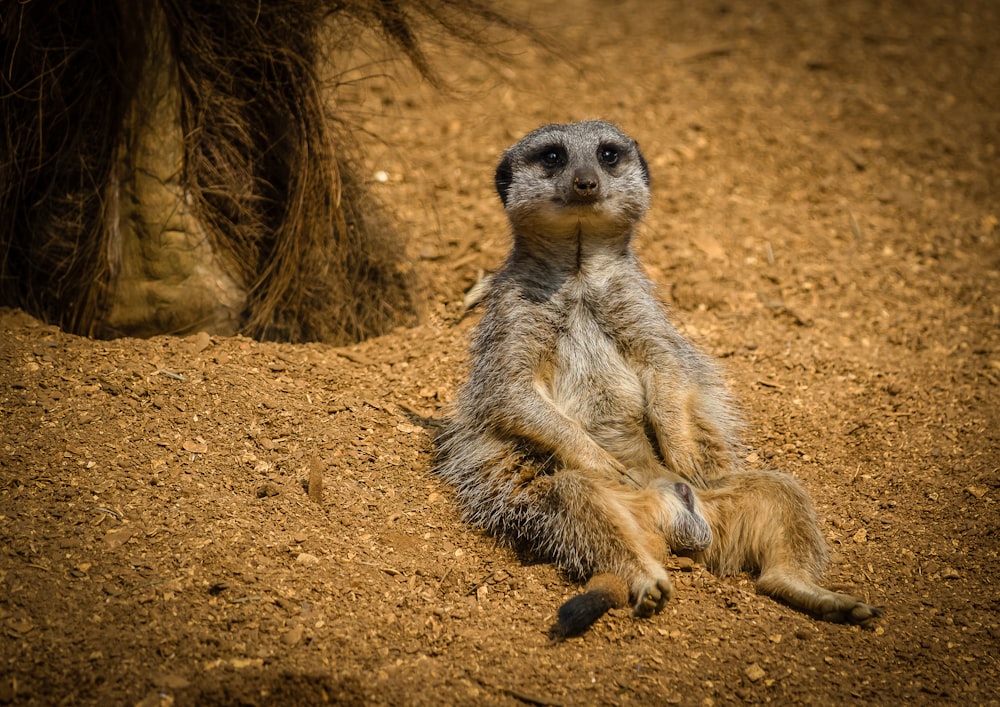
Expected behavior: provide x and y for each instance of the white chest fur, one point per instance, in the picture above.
(592, 382)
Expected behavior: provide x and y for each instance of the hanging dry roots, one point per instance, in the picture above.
(169, 167)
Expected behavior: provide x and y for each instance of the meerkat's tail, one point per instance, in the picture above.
(603, 592)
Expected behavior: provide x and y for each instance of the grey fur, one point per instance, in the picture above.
(588, 428)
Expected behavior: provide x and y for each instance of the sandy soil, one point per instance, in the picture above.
(825, 221)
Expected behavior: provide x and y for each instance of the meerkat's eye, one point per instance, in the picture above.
(609, 155)
(552, 157)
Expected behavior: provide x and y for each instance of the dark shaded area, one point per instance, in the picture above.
(60, 135)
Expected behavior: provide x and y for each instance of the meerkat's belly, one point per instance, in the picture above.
(592, 383)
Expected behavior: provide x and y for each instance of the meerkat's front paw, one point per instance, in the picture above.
(596, 459)
(651, 595)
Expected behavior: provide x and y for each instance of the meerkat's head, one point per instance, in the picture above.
(580, 179)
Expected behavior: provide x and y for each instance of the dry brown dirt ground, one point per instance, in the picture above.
(825, 221)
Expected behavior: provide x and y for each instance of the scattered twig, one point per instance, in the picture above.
(354, 357)
(170, 374)
(855, 228)
(315, 485)
(391, 571)
(689, 55)
(856, 159)
(444, 577)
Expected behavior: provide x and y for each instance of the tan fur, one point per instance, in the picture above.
(589, 429)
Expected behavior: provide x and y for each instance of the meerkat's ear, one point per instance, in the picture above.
(504, 177)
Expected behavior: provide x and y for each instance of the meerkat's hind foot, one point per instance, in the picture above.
(603, 592)
(813, 599)
(846, 609)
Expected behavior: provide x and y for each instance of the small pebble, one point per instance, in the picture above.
(307, 560)
(754, 672)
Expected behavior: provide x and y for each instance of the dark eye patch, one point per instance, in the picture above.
(552, 156)
(609, 154)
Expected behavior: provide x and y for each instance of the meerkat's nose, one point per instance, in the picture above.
(585, 183)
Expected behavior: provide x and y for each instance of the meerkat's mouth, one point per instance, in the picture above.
(579, 203)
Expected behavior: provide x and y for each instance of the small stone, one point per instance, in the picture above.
(195, 446)
(20, 625)
(684, 564)
(267, 489)
(171, 681)
(199, 342)
(156, 699)
(293, 635)
(307, 559)
(117, 538)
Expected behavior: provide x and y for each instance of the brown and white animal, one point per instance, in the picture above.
(589, 429)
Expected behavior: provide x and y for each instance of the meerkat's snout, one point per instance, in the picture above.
(586, 187)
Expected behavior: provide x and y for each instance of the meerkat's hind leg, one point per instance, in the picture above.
(627, 532)
(764, 521)
(803, 593)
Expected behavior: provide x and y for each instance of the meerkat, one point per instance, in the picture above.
(589, 429)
